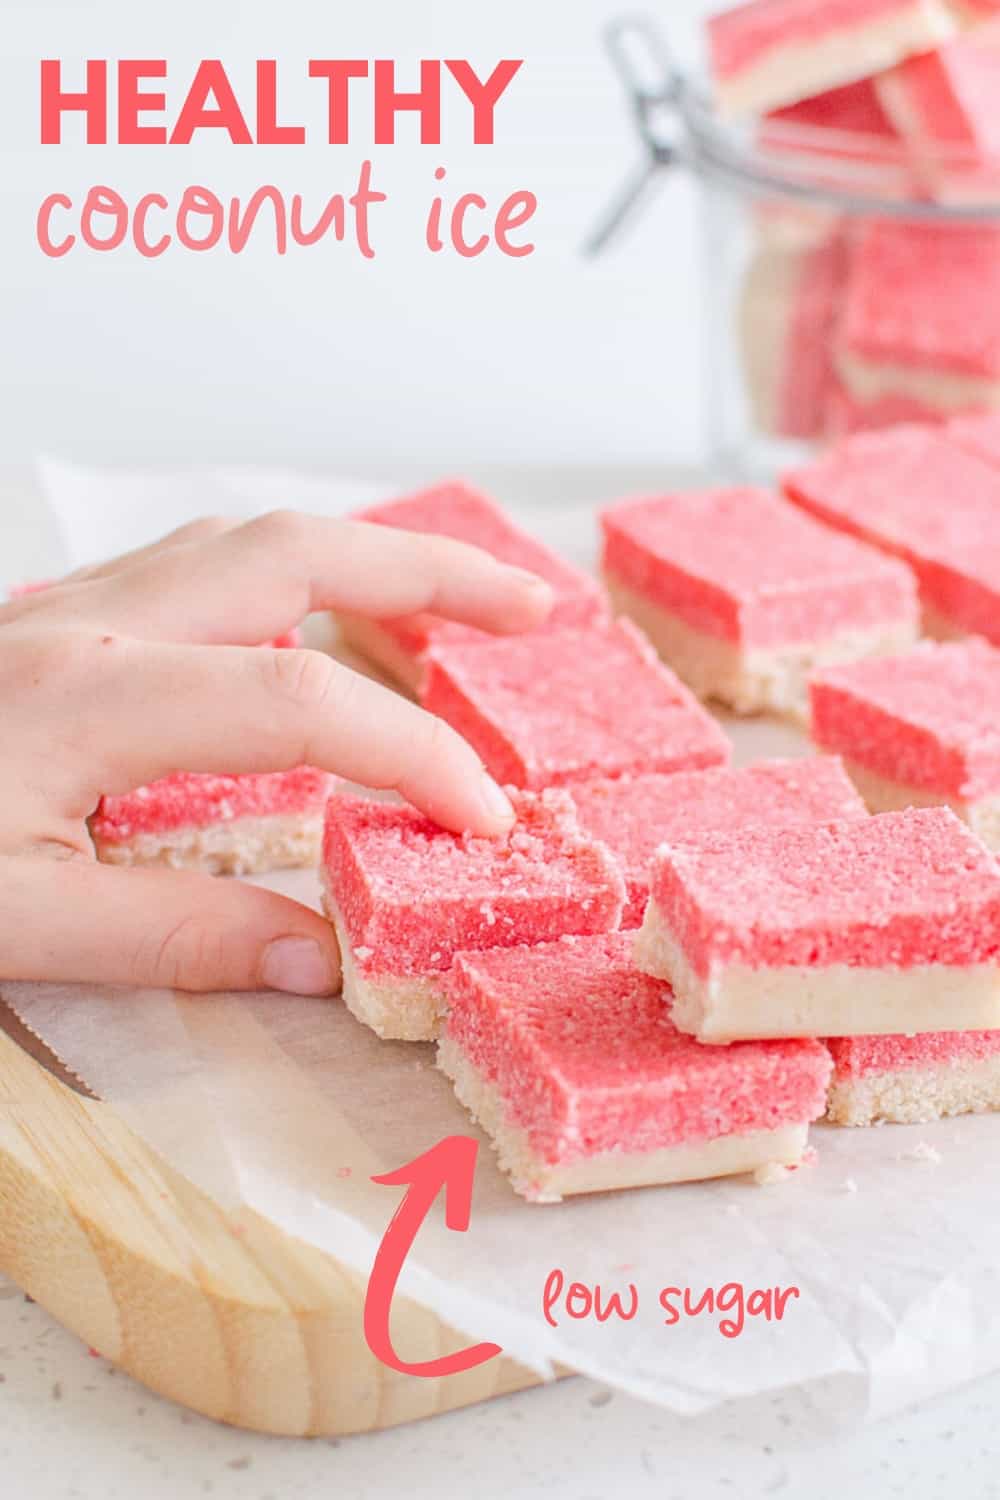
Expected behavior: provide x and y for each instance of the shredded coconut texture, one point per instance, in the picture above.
(571, 705)
(771, 576)
(634, 815)
(885, 486)
(194, 800)
(902, 889)
(581, 1049)
(411, 894)
(929, 719)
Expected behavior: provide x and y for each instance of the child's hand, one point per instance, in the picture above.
(148, 665)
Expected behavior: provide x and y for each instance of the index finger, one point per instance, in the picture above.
(260, 579)
(150, 708)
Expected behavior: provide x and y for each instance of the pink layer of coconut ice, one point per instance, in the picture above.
(455, 510)
(915, 493)
(636, 814)
(581, 1050)
(842, 136)
(948, 98)
(844, 415)
(189, 799)
(899, 890)
(979, 434)
(743, 565)
(859, 1056)
(743, 36)
(854, 108)
(847, 124)
(571, 705)
(411, 894)
(928, 720)
(925, 297)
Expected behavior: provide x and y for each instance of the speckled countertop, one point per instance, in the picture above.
(74, 1428)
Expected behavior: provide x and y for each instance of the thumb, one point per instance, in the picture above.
(74, 920)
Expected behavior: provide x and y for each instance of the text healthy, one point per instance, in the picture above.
(124, 103)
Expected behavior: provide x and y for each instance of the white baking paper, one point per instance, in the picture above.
(103, 512)
(289, 1106)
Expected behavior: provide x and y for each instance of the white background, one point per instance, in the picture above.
(321, 357)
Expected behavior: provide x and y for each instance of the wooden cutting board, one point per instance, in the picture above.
(222, 1312)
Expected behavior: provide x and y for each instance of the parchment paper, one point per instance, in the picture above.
(103, 512)
(289, 1106)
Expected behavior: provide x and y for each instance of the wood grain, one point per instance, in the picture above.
(221, 1312)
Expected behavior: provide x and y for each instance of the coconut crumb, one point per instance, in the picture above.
(922, 1152)
(771, 1173)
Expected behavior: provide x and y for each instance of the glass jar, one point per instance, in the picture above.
(847, 284)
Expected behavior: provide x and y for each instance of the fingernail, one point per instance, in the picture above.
(531, 580)
(298, 966)
(495, 800)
